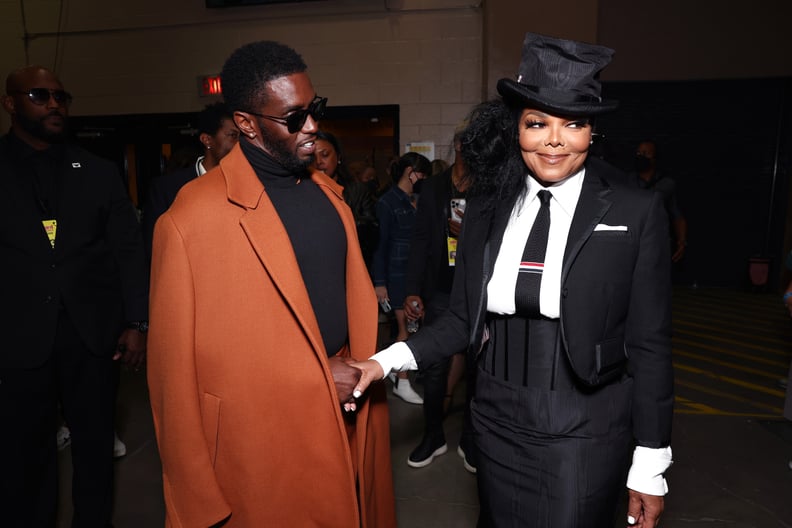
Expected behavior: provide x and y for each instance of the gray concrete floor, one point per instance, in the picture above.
(730, 470)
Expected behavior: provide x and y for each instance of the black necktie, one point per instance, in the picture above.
(526, 294)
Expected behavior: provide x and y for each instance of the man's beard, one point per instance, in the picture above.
(280, 152)
(36, 128)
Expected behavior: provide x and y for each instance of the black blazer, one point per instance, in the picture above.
(96, 270)
(615, 294)
(161, 193)
(428, 246)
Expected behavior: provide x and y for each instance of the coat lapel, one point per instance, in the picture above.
(28, 231)
(591, 207)
(268, 238)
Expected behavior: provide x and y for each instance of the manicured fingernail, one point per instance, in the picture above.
(356, 394)
(630, 519)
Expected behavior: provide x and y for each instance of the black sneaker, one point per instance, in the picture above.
(467, 451)
(426, 451)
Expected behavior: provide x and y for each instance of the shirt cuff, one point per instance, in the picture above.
(648, 467)
(396, 357)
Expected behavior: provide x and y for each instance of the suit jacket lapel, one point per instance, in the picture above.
(70, 189)
(591, 207)
(270, 241)
(28, 228)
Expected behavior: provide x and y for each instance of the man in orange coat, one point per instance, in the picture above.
(259, 299)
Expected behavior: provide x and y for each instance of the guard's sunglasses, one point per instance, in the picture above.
(41, 96)
(296, 120)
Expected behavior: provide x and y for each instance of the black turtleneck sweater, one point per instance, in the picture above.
(317, 237)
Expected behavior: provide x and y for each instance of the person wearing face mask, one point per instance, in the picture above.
(647, 176)
(396, 216)
(562, 297)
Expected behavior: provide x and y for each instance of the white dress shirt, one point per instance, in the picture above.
(649, 465)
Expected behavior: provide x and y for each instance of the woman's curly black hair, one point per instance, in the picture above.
(491, 153)
(251, 67)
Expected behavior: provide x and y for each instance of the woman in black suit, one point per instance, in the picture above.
(562, 294)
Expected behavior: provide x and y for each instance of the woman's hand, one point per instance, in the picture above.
(371, 371)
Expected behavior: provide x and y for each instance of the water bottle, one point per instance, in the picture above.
(412, 326)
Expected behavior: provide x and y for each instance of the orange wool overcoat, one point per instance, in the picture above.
(247, 418)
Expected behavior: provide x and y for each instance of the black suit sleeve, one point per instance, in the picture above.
(123, 233)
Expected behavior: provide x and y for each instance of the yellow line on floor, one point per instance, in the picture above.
(728, 379)
(725, 395)
(709, 359)
(783, 349)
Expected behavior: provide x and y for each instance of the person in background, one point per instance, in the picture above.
(430, 274)
(357, 195)
(218, 134)
(396, 216)
(439, 166)
(647, 176)
(787, 382)
(562, 294)
(260, 299)
(74, 305)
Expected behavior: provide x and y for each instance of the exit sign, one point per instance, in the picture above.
(209, 85)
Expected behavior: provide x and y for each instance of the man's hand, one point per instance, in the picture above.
(679, 252)
(643, 511)
(413, 312)
(345, 377)
(131, 348)
(455, 227)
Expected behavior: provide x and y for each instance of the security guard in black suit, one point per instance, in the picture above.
(74, 302)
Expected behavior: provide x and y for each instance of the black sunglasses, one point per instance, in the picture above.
(296, 120)
(41, 96)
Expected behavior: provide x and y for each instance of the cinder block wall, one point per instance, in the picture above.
(435, 58)
(145, 56)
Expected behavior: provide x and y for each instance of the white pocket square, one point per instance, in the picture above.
(606, 227)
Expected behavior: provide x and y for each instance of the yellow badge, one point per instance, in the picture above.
(50, 227)
(452, 249)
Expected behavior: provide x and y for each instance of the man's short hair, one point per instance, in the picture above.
(247, 71)
(210, 120)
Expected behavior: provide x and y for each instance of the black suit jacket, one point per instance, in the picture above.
(161, 193)
(96, 271)
(615, 294)
(428, 245)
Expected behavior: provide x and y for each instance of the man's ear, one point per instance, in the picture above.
(245, 124)
(8, 104)
(206, 140)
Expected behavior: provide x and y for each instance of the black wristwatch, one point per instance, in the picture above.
(140, 326)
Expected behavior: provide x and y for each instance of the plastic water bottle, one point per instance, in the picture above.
(412, 326)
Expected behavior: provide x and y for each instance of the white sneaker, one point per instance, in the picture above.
(404, 390)
(63, 437)
(119, 447)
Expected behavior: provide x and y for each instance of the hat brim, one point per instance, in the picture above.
(570, 105)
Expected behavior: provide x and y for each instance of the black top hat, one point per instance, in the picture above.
(559, 76)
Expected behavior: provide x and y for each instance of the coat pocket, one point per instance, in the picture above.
(211, 423)
(611, 357)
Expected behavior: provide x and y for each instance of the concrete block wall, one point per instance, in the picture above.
(145, 56)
